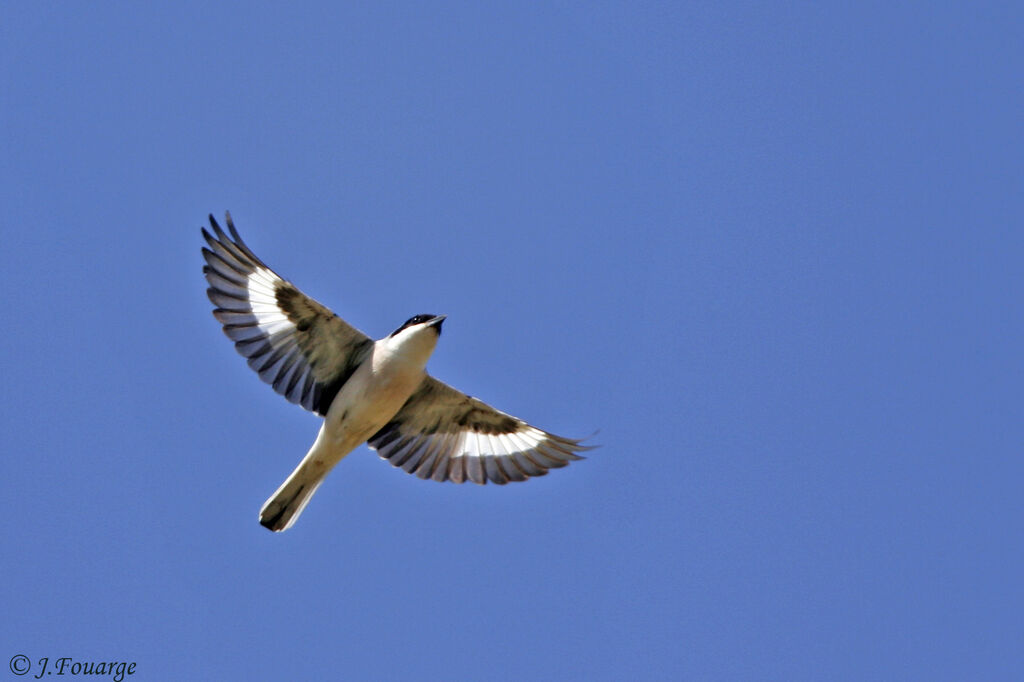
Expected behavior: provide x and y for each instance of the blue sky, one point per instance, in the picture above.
(772, 253)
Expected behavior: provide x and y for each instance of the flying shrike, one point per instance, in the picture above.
(367, 391)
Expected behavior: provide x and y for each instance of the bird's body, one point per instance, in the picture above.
(368, 400)
(376, 392)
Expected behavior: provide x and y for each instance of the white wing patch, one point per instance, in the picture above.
(262, 287)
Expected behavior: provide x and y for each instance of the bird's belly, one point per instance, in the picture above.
(368, 401)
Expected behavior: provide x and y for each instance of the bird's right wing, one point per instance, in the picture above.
(444, 434)
(297, 345)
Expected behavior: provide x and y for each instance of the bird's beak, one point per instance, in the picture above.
(438, 320)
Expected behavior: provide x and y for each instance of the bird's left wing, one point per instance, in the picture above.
(444, 434)
(297, 345)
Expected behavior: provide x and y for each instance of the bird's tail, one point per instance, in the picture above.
(282, 510)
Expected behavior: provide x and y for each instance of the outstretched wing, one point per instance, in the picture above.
(298, 346)
(444, 434)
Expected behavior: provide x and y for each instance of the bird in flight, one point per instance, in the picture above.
(377, 392)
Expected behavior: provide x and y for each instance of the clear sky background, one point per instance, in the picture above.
(772, 252)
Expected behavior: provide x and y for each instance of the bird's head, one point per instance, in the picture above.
(417, 337)
(421, 322)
